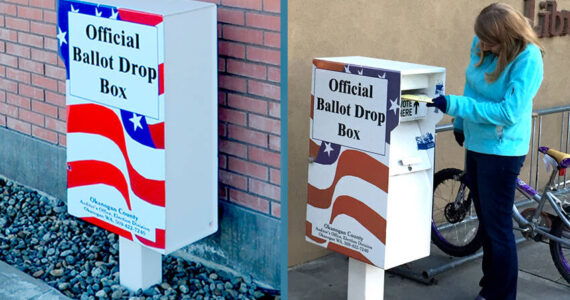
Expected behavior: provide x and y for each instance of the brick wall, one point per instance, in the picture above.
(32, 90)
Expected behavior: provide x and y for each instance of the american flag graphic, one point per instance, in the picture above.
(115, 157)
(348, 188)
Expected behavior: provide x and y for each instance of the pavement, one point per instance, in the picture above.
(17, 285)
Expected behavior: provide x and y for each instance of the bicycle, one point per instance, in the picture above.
(455, 228)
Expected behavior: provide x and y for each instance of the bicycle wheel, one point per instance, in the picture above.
(455, 227)
(560, 253)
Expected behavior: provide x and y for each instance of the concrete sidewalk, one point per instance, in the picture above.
(326, 278)
(17, 285)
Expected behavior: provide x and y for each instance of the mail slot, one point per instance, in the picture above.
(370, 172)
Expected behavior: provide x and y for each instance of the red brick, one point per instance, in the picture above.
(265, 157)
(30, 65)
(20, 126)
(22, 2)
(275, 109)
(249, 201)
(2, 46)
(44, 29)
(2, 96)
(8, 110)
(231, 49)
(51, 44)
(8, 9)
(248, 104)
(275, 143)
(211, 1)
(55, 98)
(247, 135)
(30, 91)
(56, 72)
(2, 21)
(62, 113)
(18, 50)
(264, 124)
(2, 120)
(273, 6)
(30, 13)
(222, 130)
(221, 64)
(272, 39)
(50, 4)
(232, 116)
(20, 76)
(61, 87)
(30, 39)
(31, 117)
(276, 209)
(263, 21)
(8, 35)
(248, 4)
(233, 179)
(44, 56)
(56, 125)
(19, 101)
(275, 176)
(246, 69)
(8, 85)
(62, 139)
(264, 89)
(274, 74)
(44, 82)
(44, 108)
(8, 60)
(264, 55)
(50, 16)
(264, 189)
(232, 83)
(18, 24)
(242, 34)
(221, 98)
(222, 161)
(44, 134)
(233, 148)
(231, 16)
(247, 168)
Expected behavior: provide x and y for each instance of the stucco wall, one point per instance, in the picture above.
(435, 33)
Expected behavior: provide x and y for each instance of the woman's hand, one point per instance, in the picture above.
(439, 102)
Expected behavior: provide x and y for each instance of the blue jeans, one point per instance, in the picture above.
(492, 180)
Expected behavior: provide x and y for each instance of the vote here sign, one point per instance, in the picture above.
(115, 62)
(350, 110)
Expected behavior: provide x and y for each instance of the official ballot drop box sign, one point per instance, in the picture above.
(142, 117)
(371, 175)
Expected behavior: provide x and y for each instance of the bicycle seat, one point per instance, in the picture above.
(562, 158)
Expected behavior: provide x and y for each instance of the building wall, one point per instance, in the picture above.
(33, 122)
(435, 33)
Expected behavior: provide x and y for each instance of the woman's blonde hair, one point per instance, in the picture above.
(500, 24)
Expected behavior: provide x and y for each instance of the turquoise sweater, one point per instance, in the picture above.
(496, 117)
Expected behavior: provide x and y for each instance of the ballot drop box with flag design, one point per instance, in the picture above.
(142, 118)
(371, 158)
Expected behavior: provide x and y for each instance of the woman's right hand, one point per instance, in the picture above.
(459, 137)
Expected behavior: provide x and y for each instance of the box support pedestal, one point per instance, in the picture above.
(365, 282)
(139, 267)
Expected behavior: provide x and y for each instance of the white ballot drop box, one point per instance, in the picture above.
(142, 118)
(371, 158)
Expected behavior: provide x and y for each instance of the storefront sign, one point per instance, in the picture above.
(551, 21)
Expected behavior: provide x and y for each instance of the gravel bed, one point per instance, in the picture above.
(81, 260)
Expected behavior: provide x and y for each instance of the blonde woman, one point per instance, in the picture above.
(493, 120)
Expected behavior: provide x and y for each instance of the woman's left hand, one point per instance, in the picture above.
(439, 102)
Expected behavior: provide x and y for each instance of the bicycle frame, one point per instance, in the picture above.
(530, 193)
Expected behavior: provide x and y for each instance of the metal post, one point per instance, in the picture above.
(567, 139)
(561, 142)
(533, 148)
(365, 282)
(539, 144)
(139, 267)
